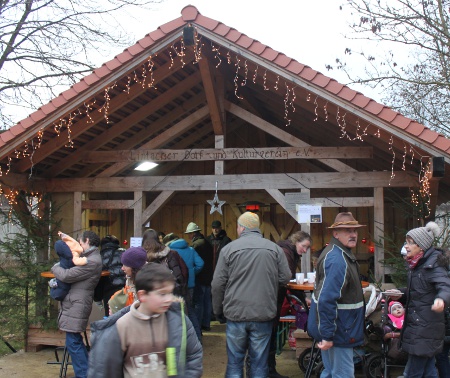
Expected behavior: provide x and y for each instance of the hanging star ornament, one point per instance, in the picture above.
(216, 204)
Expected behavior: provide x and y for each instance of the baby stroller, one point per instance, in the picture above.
(310, 360)
(379, 364)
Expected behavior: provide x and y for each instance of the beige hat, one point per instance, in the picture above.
(192, 227)
(249, 220)
(346, 220)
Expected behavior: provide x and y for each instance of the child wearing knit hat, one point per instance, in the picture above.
(68, 251)
(133, 259)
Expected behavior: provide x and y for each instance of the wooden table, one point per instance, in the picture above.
(51, 275)
(310, 286)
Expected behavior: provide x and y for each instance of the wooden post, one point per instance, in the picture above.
(137, 224)
(306, 258)
(77, 213)
(378, 232)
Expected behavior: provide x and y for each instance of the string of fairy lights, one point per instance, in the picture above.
(144, 76)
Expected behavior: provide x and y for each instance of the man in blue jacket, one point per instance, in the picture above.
(336, 317)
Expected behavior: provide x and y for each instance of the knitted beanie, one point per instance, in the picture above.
(249, 220)
(424, 236)
(392, 305)
(134, 257)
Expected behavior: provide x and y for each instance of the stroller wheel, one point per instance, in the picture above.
(374, 366)
(305, 357)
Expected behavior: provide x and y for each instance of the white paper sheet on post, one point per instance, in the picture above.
(135, 241)
(309, 213)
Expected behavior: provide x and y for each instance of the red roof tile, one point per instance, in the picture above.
(58, 101)
(361, 100)
(189, 13)
(321, 80)
(374, 107)
(269, 54)
(135, 49)
(170, 26)
(244, 41)
(102, 71)
(257, 47)
(37, 115)
(282, 60)
(113, 64)
(70, 93)
(387, 114)
(415, 128)
(334, 87)
(401, 121)
(347, 93)
(207, 23)
(17, 129)
(442, 143)
(157, 34)
(429, 135)
(80, 86)
(295, 67)
(124, 56)
(48, 108)
(7, 135)
(147, 41)
(233, 35)
(222, 29)
(308, 73)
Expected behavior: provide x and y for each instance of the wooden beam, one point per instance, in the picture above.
(137, 218)
(282, 135)
(118, 128)
(378, 232)
(211, 96)
(15, 180)
(162, 138)
(107, 204)
(233, 182)
(218, 153)
(159, 202)
(86, 123)
(279, 197)
(159, 124)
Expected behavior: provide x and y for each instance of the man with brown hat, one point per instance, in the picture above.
(244, 290)
(336, 317)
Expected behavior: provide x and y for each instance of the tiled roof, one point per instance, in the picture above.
(190, 14)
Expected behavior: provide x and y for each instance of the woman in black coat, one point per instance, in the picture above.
(427, 295)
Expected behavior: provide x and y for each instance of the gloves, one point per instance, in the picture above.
(52, 283)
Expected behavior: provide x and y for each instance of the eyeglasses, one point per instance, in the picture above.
(409, 243)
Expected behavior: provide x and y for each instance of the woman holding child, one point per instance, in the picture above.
(426, 296)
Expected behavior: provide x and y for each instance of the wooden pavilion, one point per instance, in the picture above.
(226, 118)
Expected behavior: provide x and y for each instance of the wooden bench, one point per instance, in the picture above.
(283, 331)
(39, 338)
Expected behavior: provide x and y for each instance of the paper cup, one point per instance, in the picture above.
(300, 278)
(311, 277)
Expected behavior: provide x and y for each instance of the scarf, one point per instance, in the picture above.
(397, 322)
(412, 261)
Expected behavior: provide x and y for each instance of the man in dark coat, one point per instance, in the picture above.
(77, 305)
(218, 239)
(202, 290)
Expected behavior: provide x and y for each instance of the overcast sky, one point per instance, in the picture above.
(312, 32)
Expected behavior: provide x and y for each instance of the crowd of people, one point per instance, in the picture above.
(160, 297)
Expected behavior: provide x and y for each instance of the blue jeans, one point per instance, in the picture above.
(78, 354)
(203, 305)
(338, 363)
(192, 315)
(442, 362)
(418, 367)
(251, 336)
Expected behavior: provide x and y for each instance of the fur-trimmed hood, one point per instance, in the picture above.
(153, 256)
